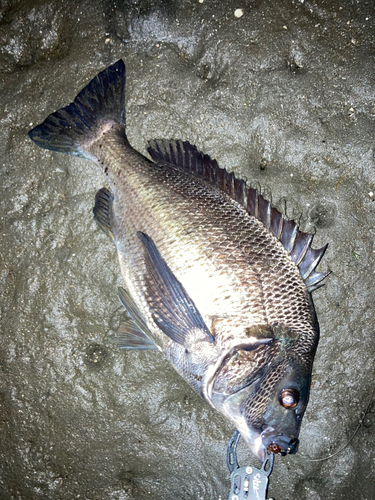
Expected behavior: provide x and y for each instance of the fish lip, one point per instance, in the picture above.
(270, 441)
(260, 440)
(279, 443)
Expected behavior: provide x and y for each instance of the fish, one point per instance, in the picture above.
(215, 277)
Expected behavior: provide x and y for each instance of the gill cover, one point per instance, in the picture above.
(267, 408)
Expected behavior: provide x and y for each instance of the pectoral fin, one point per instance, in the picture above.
(173, 310)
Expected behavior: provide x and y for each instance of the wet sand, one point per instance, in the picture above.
(283, 95)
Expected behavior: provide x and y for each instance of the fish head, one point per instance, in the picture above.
(273, 415)
(265, 397)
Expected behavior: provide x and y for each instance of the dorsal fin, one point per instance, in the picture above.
(297, 243)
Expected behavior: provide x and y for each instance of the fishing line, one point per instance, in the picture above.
(350, 439)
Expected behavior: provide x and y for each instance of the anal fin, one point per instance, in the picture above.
(102, 210)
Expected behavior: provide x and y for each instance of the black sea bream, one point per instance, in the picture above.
(215, 278)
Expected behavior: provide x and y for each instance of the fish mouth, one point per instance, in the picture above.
(261, 440)
(270, 441)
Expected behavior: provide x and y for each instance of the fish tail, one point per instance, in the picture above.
(101, 101)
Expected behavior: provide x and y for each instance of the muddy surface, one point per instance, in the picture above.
(284, 96)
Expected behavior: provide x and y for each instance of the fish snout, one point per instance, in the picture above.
(280, 445)
(268, 441)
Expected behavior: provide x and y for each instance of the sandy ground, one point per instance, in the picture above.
(284, 96)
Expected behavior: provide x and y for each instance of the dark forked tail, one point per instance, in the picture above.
(102, 100)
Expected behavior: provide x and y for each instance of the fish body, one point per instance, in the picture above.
(215, 278)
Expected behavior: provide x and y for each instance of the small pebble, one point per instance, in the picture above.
(238, 13)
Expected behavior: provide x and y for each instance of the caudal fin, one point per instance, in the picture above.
(103, 99)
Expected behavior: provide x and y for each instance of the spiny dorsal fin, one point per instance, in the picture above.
(298, 244)
(102, 210)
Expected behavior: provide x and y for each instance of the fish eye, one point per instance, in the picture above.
(289, 398)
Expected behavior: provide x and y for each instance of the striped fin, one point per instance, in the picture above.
(315, 280)
(102, 210)
(297, 243)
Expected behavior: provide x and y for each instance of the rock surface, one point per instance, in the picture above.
(284, 96)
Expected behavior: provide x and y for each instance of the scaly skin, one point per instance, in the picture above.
(240, 283)
(237, 273)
